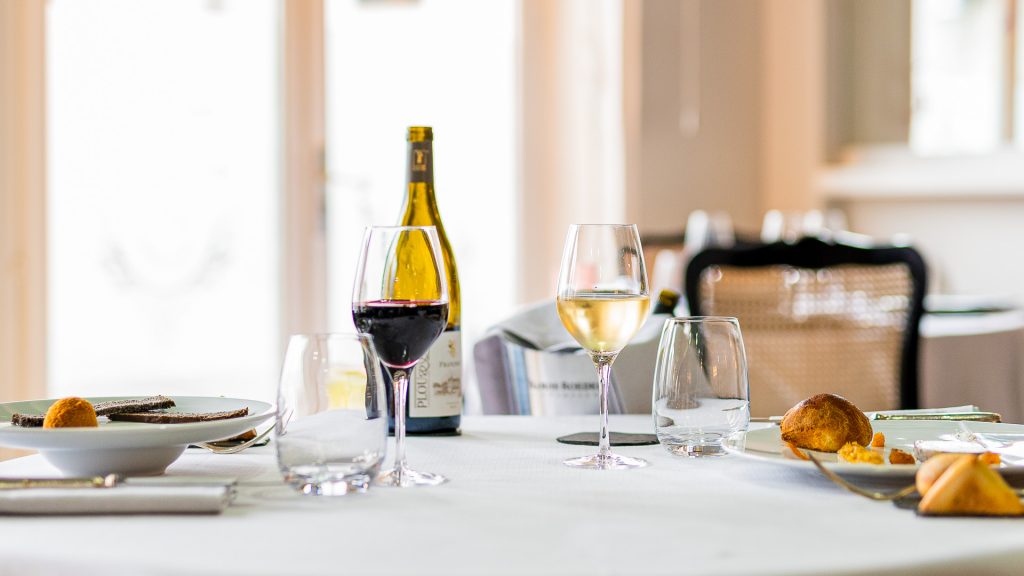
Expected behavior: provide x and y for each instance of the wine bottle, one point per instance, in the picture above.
(667, 302)
(435, 387)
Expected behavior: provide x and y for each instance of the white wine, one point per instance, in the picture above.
(603, 322)
(435, 386)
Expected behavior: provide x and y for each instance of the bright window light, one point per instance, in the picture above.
(163, 197)
(449, 64)
(958, 76)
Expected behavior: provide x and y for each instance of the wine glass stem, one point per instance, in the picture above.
(604, 375)
(400, 379)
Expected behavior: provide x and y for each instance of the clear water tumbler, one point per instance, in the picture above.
(332, 419)
(701, 395)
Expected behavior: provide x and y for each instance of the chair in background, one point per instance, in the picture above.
(818, 317)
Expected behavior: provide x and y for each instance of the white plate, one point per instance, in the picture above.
(766, 445)
(126, 447)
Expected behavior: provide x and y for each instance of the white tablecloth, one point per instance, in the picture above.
(512, 508)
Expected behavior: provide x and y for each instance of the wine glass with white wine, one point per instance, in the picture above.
(603, 299)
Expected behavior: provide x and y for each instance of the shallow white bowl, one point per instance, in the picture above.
(129, 448)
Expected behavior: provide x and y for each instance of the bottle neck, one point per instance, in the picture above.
(421, 163)
(420, 190)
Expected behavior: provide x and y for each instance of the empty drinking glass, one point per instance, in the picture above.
(332, 420)
(701, 396)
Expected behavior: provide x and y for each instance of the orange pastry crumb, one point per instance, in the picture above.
(854, 453)
(878, 440)
(897, 456)
(72, 412)
(990, 458)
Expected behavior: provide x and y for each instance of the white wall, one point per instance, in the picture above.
(966, 215)
(761, 94)
(971, 246)
(672, 174)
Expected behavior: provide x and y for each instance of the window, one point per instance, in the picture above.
(163, 197)
(968, 96)
(395, 64)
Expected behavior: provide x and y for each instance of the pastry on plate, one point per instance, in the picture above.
(71, 412)
(102, 409)
(825, 422)
(969, 486)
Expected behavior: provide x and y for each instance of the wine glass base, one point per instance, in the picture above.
(609, 461)
(409, 478)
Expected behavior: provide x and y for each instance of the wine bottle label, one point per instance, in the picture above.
(421, 162)
(436, 387)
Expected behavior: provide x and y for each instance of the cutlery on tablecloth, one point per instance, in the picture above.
(234, 446)
(115, 480)
(108, 481)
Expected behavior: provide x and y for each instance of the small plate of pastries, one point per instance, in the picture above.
(129, 435)
(845, 440)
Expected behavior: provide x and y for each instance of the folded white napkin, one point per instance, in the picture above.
(209, 499)
(538, 327)
(529, 364)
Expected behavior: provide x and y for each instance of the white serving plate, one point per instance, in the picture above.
(129, 448)
(766, 445)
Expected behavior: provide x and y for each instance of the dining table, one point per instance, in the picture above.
(511, 507)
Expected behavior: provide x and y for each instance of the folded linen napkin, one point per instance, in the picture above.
(182, 499)
(529, 364)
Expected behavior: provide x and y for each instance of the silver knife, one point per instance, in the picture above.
(949, 416)
(108, 481)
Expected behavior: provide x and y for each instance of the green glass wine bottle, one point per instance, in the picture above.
(435, 390)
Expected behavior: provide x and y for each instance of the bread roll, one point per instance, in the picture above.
(825, 422)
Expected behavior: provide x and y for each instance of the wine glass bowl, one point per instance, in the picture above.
(400, 298)
(603, 299)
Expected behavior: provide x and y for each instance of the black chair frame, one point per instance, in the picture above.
(815, 254)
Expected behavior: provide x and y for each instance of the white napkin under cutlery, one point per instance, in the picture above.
(171, 495)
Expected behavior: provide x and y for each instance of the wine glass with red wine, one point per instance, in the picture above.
(401, 299)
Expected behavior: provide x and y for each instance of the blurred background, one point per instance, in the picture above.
(183, 183)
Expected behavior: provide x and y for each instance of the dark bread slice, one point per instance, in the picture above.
(28, 420)
(134, 405)
(102, 409)
(177, 417)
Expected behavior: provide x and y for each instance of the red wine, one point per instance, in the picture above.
(402, 330)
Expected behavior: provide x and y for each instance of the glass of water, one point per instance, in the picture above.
(701, 396)
(332, 419)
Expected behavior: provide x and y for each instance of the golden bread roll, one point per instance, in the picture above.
(970, 486)
(825, 422)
